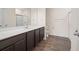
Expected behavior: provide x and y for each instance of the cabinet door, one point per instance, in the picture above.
(36, 37)
(10, 48)
(41, 33)
(30, 40)
(20, 45)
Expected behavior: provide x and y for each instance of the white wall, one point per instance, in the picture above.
(49, 21)
(1, 17)
(72, 28)
(74, 25)
(41, 16)
(34, 16)
(77, 28)
(8, 17)
(27, 13)
(57, 21)
(38, 16)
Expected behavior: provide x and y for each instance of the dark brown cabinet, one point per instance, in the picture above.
(41, 33)
(15, 43)
(20, 45)
(37, 38)
(22, 42)
(30, 40)
(9, 48)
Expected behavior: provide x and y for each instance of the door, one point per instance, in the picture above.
(61, 27)
(60, 22)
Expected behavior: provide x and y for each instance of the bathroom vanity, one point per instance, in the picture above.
(14, 34)
(21, 40)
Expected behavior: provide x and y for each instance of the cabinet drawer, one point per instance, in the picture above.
(9, 48)
(9, 41)
(20, 45)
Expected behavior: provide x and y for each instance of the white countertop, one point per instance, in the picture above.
(9, 32)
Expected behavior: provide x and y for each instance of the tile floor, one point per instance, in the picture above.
(54, 43)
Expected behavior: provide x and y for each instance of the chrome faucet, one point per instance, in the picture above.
(0, 25)
(76, 33)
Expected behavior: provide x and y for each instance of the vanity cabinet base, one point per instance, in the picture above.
(23, 42)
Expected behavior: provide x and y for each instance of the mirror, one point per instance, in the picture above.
(15, 17)
(20, 20)
(12, 17)
(23, 16)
